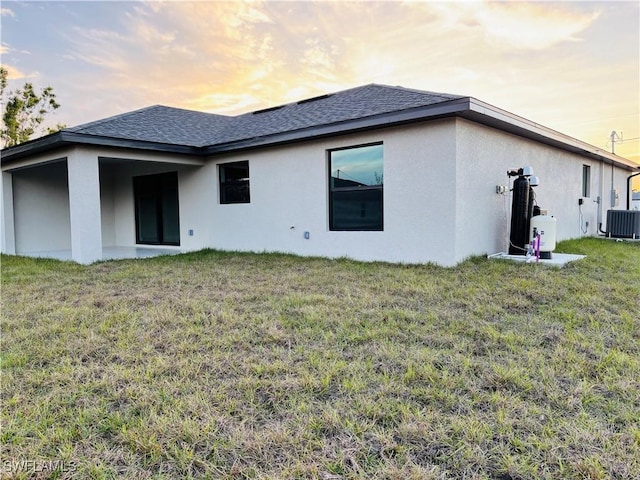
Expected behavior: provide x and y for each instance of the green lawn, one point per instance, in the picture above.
(228, 365)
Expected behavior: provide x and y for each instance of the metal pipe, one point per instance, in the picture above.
(629, 188)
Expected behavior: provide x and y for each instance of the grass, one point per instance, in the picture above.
(230, 366)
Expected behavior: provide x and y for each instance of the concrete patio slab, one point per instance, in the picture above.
(557, 259)
(110, 253)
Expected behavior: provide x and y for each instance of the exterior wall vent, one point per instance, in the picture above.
(623, 223)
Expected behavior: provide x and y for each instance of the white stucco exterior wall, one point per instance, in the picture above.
(84, 206)
(440, 203)
(481, 163)
(107, 206)
(289, 188)
(118, 203)
(197, 190)
(7, 229)
(121, 191)
(483, 157)
(41, 216)
(41, 208)
(124, 228)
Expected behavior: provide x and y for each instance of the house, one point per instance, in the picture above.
(372, 173)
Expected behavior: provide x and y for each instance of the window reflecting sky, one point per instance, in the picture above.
(361, 164)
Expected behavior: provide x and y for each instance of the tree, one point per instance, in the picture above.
(24, 111)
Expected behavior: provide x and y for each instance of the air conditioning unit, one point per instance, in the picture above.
(623, 223)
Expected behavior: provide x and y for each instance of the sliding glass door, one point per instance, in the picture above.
(157, 212)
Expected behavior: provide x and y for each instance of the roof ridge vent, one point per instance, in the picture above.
(314, 99)
(270, 109)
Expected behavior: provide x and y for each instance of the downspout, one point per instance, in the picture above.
(600, 199)
(611, 197)
(629, 188)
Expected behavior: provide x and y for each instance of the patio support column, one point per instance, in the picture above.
(84, 206)
(7, 228)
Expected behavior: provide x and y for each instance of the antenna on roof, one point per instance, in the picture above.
(615, 137)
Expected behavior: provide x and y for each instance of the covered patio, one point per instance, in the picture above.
(86, 205)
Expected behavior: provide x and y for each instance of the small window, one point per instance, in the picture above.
(234, 182)
(355, 188)
(586, 181)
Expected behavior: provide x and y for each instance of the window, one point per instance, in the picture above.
(355, 188)
(234, 182)
(586, 180)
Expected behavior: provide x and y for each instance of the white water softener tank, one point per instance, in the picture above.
(545, 225)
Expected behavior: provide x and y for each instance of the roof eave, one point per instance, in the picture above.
(494, 117)
(400, 117)
(465, 107)
(38, 145)
(65, 138)
(468, 107)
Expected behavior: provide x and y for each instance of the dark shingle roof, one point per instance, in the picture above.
(197, 129)
(158, 124)
(186, 132)
(356, 103)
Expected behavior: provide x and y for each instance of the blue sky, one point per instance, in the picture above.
(571, 66)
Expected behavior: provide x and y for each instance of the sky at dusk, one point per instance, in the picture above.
(571, 66)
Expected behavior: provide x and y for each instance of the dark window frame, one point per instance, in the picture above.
(367, 190)
(586, 181)
(236, 189)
